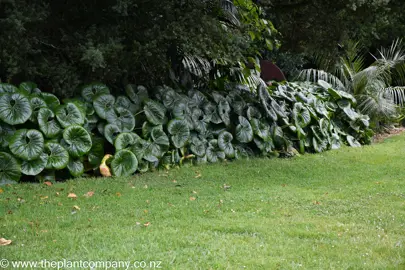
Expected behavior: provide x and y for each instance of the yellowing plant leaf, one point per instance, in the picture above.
(5, 242)
(1, 190)
(72, 195)
(48, 183)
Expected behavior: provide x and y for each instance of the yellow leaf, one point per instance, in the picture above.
(72, 195)
(118, 194)
(146, 224)
(145, 211)
(44, 197)
(48, 183)
(1, 190)
(5, 242)
(192, 198)
(75, 207)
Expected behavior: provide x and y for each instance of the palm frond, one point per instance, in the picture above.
(230, 12)
(397, 94)
(377, 106)
(314, 75)
(393, 55)
(196, 65)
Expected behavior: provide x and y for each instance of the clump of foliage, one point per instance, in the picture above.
(162, 127)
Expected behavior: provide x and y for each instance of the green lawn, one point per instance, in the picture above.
(342, 209)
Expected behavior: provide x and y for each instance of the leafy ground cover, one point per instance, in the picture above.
(342, 209)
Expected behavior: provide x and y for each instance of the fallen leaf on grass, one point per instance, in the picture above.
(146, 224)
(118, 194)
(48, 183)
(174, 181)
(145, 211)
(89, 194)
(145, 186)
(198, 174)
(192, 198)
(75, 207)
(5, 242)
(72, 195)
(194, 192)
(44, 197)
(138, 223)
(316, 202)
(1, 190)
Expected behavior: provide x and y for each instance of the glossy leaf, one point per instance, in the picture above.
(48, 124)
(15, 108)
(124, 163)
(104, 105)
(6, 132)
(111, 132)
(90, 91)
(10, 170)
(225, 144)
(58, 157)
(69, 115)
(78, 141)
(35, 166)
(244, 131)
(75, 167)
(155, 112)
(179, 131)
(122, 118)
(27, 144)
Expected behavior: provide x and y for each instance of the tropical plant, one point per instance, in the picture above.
(373, 87)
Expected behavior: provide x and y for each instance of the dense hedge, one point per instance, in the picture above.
(146, 129)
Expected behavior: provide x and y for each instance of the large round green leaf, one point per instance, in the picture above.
(124, 102)
(124, 163)
(122, 118)
(75, 167)
(155, 112)
(214, 153)
(6, 132)
(69, 115)
(48, 124)
(244, 131)
(237, 102)
(111, 132)
(223, 110)
(179, 131)
(15, 108)
(7, 88)
(124, 140)
(170, 98)
(198, 148)
(137, 94)
(37, 103)
(50, 99)
(104, 105)
(345, 105)
(96, 153)
(261, 128)
(266, 101)
(58, 157)
(78, 141)
(10, 170)
(27, 144)
(159, 137)
(352, 141)
(301, 115)
(225, 144)
(92, 90)
(199, 120)
(27, 87)
(35, 166)
(253, 112)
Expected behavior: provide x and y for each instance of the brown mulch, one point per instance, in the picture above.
(380, 137)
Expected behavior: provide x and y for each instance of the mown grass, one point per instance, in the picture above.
(342, 209)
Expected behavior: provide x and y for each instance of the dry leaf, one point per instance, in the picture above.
(57, 193)
(192, 198)
(145, 211)
(75, 207)
(174, 181)
(118, 194)
(198, 174)
(1, 190)
(138, 223)
(44, 197)
(316, 202)
(145, 186)
(194, 192)
(89, 194)
(5, 242)
(72, 195)
(146, 224)
(48, 183)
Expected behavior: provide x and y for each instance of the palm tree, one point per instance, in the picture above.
(374, 87)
